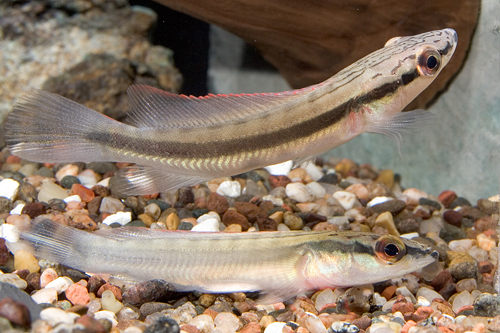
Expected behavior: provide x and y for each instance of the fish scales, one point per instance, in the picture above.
(179, 140)
(278, 264)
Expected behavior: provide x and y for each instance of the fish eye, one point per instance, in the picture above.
(390, 249)
(429, 61)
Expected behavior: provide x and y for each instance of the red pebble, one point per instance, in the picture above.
(485, 267)
(13, 159)
(447, 197)
(389, 292)
(189, 328)
(409, 324)
(84, 193)
(422, 313)
(279, 181)
(114, 289)
(402, 305)
(77, 294)
(251, 327)
(453, 218)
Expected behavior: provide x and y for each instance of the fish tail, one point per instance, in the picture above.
(47, 239)
(45, 127)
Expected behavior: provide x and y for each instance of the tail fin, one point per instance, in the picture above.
(45, 127)
(47, 239)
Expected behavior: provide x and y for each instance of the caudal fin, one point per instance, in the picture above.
(45, 127)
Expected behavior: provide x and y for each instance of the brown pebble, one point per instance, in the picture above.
(251, 327)
(389, 292)
(33, 281)
(363, 323)
(34, 209)
(233, 217)
(79, 309)
(153, 307)
(217, 203)
(447, 197)
(147, 291)
(91, 325)
(211, 313)
(233, 228)
(325, 226)
(279, 181)
(392, 206)
(84, 193)
(453, 218)
(249, 210)
(95, 282)
(172, 222)
(16, 312)
(114, 289)
(442, 306)
(83, 222)
(266, 223)
(386, 177)
(4, 252)
(188, 328)
(422, 313)
(442, 279)
(101, 191)
(94, 205)
(482, 266)
(402, 305)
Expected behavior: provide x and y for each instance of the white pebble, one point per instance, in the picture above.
(478, 253)
(410, 235)
(283, 227)
(280, 168)
(276, 327)
(104, 314)
(207, 216)
(87, 178)
(60, 284)
(299, 192)
(9, 188)
(462, 299)
(324, 297)
(313, 170)
(120, 217)
(276, 201)
(461, 245)
(422, 301)
(428, 294)
(14, 280)
(316, 190)
(226, 322)
(203, 322)
(17, 210)
(67, 170)
(109, 302)
(230, 189)
(28, 169)
(414, 196)
(75, 198)
(378, 299)
(209, 225)
(46, 295)
(341, 221)
(314, 324)
(104, 182)
(49, 190)
(133, 329)
(54, 316)
(346, 199)
(378, 200)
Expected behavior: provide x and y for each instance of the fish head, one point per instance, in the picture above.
(359, 259)
(394, 75)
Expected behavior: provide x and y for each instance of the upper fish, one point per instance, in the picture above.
(178, 140)
(277, 264)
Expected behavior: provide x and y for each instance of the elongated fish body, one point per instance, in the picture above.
(178, 140)
(279, 264)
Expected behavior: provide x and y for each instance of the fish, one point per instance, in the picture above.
(279, 265)
(178, 140)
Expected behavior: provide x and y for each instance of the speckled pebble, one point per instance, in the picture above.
(77, 294)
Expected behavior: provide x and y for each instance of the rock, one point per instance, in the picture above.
(414, 195)
(151, 307)
(83, 192)
(392, 206)
(247, 209)
(4, 252)
(408, 225)
(233, 217)
(61, 284)
(172, 222)
(121, 218)
(217, 203)
(109, 302)
(47, 276)
(346, 199)
(111, 205)
(227, 322)
(34, 209)
(230, 189)
(55, 316)
(402, 305)
(147, 291)
(386, 177)
(16, 312)
(299, 192)
(251, 327)
(90, 324)
(163, 325)
(277, 327)
(431, 203)
(466, 285)
(459, 202)
(453, 217)
(9, 291)
(77, 294)
(329, 178)
(5, 205)
(462, 265)
(447, 197)
(83, 222)
(359, 190)
(95, 282)
(464, 298)
(68, 181)
(266, 224)
(428, 294)
(209, 225)
(25, 260)
(386, 221)
(316, 190)
(278, 181)
(9, 188)
(46, 295)
(27, 193)
(325, 297)
(49, 191)
(487, 305)
(345, 327)
(450, 232)
(255, 189)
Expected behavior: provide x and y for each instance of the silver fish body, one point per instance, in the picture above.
(278, 264)
(178, 140)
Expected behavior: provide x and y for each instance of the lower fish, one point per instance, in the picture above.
(278, 264)
(178, 140)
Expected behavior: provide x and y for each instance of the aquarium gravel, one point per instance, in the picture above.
(454, 294)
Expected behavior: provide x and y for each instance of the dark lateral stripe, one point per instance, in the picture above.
(354, 246)
(252, 143)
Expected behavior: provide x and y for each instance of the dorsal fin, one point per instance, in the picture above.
(152, 107)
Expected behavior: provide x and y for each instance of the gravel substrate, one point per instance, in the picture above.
(455, 294)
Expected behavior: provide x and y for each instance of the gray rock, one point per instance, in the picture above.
(10, 291)
(487, 305)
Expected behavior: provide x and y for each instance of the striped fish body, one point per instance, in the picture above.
(278, 264)
(181, 140)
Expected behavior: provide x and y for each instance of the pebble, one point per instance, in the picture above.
(343, 327)
(316, 190)
(77, 294)
(66, 170)
(16, 312)
(414, 195)
(217, 203)
(121, 218)
(299, 192)
(346, 199)
(487, 305)
(251, 327)
(464, 298)
(466, 285)
(209, 225)
(233, 217)
(83, 192)
(172, 222)
(9, 188)
(49, 191)
(227, 322)
(68, 181)
(392, 206)
(111, 205)
(386, 221)
(461, 245)
(25, 260)
(107, 315)
(46, 295)
(230, 189)
(276, 327)
(292, 221)
(313, 171)
(447, 197)
(47, 276)
(428, 294)
(325, 297)
(109, 302)
(204, 323)
(13, 279)
(462, 265)
(144, 292)
(54, 316)
(61, 284)
(88, 178)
